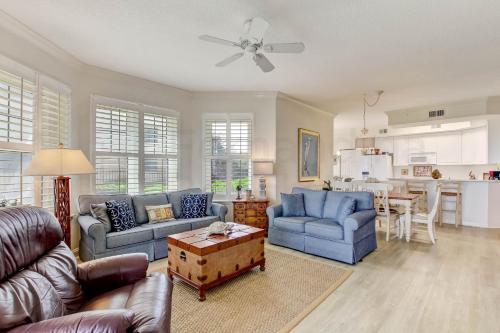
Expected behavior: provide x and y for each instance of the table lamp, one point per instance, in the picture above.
(263, 168)
(60, 162)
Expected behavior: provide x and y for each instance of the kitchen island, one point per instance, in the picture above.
(480, 201)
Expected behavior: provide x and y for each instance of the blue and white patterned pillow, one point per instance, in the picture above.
(194, 205)
(121, 215)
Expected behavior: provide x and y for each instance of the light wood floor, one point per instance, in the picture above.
(453, 286)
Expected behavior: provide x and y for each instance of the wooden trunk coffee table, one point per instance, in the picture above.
(205, 261)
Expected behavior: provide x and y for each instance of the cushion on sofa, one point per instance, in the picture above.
(100, 213)
(142, 200)
(293, 204)
(314, 201)
(175, 199)
(364, 200)
(128, 237)
(160, 213)
(163, 229)
(347, 206)
(325, 228)
(121, 215)
(293, 224)
(194, 205)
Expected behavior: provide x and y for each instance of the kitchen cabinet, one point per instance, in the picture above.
(385, 144)
(401, 150)
(475, 146)
(448, 148)
(421, 144)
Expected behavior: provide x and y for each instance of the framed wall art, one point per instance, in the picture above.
(309, 155)
(422, 171)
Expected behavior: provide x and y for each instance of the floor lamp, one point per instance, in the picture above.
(60, 162)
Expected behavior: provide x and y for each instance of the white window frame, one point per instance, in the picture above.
(96, 100)
(40, 80)
(228, 117)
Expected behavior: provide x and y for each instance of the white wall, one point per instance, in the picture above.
(290, 116)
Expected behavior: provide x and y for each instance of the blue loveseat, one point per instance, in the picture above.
(320, 232)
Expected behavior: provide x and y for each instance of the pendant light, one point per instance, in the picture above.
(365, 141)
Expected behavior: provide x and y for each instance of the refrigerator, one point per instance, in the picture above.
(355, 165)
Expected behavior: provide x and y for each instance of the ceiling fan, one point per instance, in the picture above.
(251, 41)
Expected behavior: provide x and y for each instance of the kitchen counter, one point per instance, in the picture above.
(480, 201)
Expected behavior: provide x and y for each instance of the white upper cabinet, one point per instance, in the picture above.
(385, 144)
(475, 146)
(400, 150)
(448, 148)
(422, 144)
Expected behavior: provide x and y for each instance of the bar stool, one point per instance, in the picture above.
(451, 190)
(420, 188)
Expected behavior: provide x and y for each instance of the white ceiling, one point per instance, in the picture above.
(418, 51)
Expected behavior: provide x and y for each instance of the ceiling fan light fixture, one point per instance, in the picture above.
(251, 41)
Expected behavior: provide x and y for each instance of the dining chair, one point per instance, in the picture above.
(420, 188)
(381, 203)
(427, 219)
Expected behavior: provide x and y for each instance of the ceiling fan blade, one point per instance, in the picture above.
(217, 40)
(284, 47)
(263, 62)
(255, 28)
(230, 59)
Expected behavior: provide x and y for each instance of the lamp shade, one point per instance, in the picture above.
(366, 142)
(263, 168)
(59, 162)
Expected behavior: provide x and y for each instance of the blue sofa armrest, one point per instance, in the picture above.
(274, 212)
(356, 221)
(93, 229)
(219, 210)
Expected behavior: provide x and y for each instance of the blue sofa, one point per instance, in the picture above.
(147, 238)
(320, 232)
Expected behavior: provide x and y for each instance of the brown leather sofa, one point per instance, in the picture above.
(42, 289)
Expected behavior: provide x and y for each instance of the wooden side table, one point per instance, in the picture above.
(251, 212)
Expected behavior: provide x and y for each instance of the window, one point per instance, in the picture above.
(17, 101)
(34, 113)
(227, 153)
(136, 149)
(55, 120)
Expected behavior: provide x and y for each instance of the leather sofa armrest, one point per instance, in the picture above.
(111, 321)
(219, 210)
(274, 212)
(112, 272)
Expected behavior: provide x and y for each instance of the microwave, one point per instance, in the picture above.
(422, 158)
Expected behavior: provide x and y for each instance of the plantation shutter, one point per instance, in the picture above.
(117, 150)
(227, 154)
(55, 124)
(17, 107)
(17, 103)
(160, 153)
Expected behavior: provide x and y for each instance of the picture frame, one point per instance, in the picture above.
(308, 155)
(422, 171)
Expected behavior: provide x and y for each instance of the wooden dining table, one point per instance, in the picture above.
(407, 200)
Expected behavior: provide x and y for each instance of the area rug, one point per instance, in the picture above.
(272, 301)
